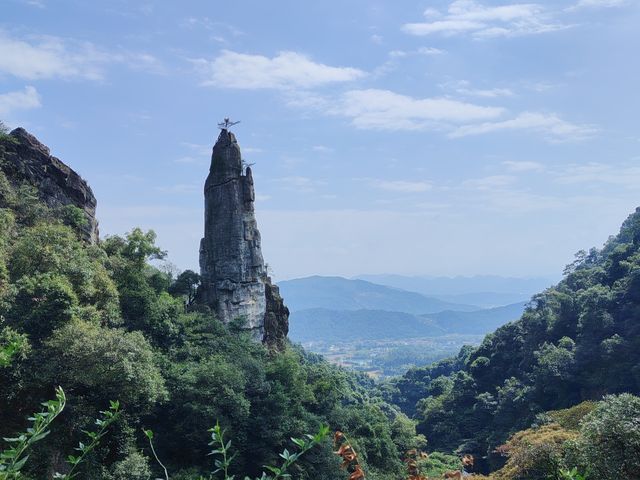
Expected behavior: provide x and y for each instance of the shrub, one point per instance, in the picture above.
(609, 444)
(536, 453)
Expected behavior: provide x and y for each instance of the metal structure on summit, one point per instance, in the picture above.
(226, 123)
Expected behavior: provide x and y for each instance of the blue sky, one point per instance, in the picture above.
(416, 137)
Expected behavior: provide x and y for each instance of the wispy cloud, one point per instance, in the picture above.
(489, 183)
(469, 16)
(552, 127)
(599, 173)
(464, 87)
(427, 51)
(42, 57)
(386, 110)
(322, 149)
(35, 3)
(598, 4)
(523, 166)
(26, 99)
(286, 70)
(405, 186)
(300, 184)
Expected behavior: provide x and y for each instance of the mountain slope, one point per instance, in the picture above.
(337, 293)
(334, 326)
(437, 286)
(576, 341)
(478, 322)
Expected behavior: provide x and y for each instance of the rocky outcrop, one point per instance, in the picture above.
(26, 160)
(276, 318)
(234, 280)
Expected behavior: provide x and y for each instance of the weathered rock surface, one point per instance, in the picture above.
(234, 279)
(28, 160)
(276, 318)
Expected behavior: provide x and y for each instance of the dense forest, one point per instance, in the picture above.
(101, 322)
(108, 324)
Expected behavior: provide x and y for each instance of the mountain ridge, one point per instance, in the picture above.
(339, 293)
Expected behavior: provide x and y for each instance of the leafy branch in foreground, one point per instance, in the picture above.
(217, 437)
(220, 447)
(149, 435)
(14, 458)
(104, 422)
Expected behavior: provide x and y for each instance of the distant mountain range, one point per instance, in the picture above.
(339, 326)
(338, 310)
(337, 293)
(481, 290)
(479, 322)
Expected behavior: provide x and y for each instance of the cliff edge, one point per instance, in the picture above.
(27, 161)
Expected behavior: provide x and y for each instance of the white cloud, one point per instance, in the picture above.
(441, 26)
(399, 185)
(427, 51)
(464, 87)
(322, 149)
(487, 93)
(35, 3)
(430, 51)
(550, 125)
(286, 70)
(398, 53)
(470, 16)
(431, 12)
(523, 166)
(19, 100)
(594, 173)
(386, 110)
(599, 4)
(489, 183)
(54, 57)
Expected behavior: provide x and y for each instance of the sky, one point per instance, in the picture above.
(417, 137)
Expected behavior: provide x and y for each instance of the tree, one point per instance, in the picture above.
(186, 284)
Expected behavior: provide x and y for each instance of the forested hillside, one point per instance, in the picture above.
(576, 341)
(99, 321)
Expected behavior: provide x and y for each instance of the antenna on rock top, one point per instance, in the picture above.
(224, 125)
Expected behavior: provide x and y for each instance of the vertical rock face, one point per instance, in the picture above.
(26, 160)
(276, 319)
(234, 279)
